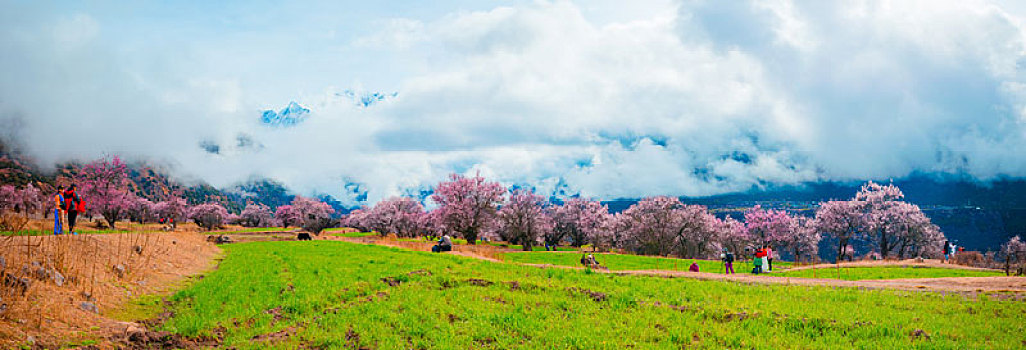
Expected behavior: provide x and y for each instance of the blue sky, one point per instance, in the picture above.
(604, 98)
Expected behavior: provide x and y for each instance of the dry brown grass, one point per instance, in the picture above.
(151, 262)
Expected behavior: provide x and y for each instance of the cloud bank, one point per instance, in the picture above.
(604, 99)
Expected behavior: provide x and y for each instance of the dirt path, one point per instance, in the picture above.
(901, 263)
(1014, 286)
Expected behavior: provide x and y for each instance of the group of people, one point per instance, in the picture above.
(762, 260)
(67, 204)
(950, 249)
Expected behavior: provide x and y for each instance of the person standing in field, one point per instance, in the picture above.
(760, 254)
(728, 261)
(73, 205)
(769, 257)
(58, 211)
(947, 251)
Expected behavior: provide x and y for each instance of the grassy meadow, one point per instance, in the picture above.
(338, 295)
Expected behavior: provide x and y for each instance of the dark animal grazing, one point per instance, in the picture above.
(304, 236)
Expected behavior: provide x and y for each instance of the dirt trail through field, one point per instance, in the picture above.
(901, 263)
(1015, 286)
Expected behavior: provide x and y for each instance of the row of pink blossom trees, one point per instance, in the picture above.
(104, 186)
(473, 208)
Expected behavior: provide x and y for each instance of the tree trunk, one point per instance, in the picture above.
(840, 250)
(883, 246)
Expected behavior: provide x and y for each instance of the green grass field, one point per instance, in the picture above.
(461, 241)
(886, 272)
(337, 295)
(350, 234)
(621, 262)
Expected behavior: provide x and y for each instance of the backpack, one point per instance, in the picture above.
(69, 198)
(730, 257)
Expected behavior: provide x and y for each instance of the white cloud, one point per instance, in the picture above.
(690, 98)
(75, 32)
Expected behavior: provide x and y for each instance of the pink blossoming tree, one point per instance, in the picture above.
(467, 205)
(104, 188)
(578, 219)
(398, 215)
(524, 219)
(769, 226)
(664, 226)
(209, 216)
(842, 220)
(173, 209)
(256, 215)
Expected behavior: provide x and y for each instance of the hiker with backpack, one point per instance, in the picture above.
(58, 211)
(728, 261)
(73, 205)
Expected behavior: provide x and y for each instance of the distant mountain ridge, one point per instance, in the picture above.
(293, 114)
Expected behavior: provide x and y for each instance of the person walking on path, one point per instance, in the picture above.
(73, 205)
(728, 262)
(769, 257)
(58, 211)
(947, 251)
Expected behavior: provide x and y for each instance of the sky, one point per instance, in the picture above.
(606, 99)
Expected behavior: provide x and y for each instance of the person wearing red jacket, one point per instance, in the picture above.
(72, 205)
(760, 259)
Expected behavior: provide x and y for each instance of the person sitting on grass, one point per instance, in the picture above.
(588, 260)
(444, 245)
(693, 267)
